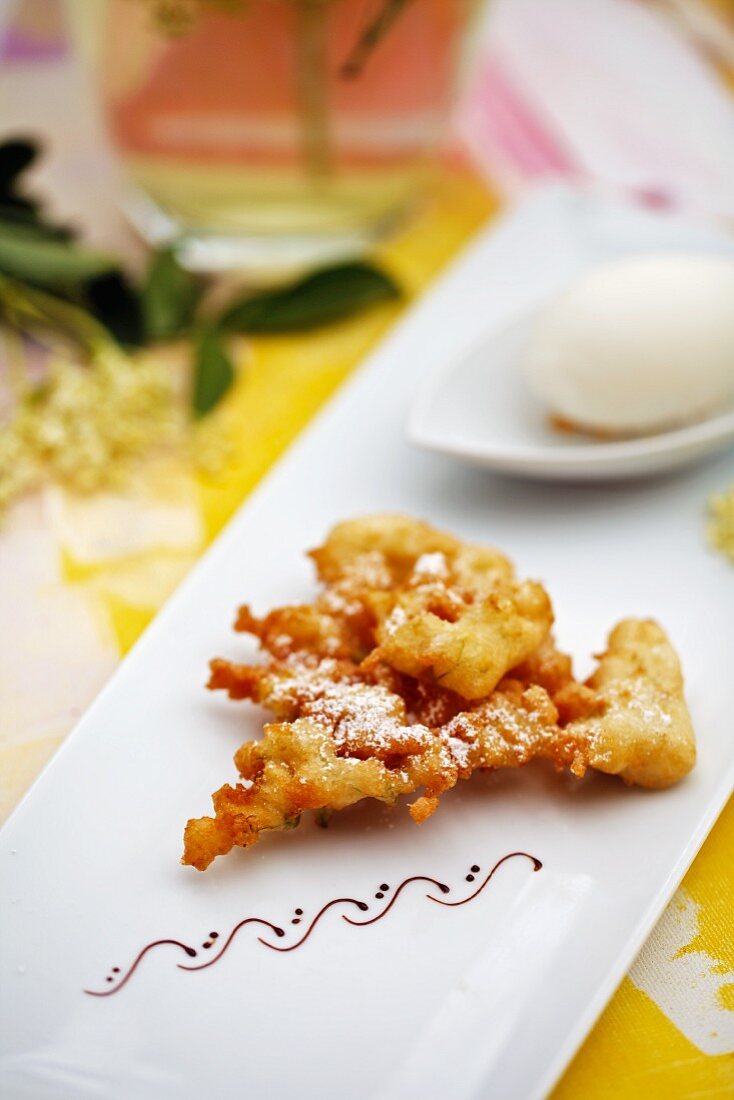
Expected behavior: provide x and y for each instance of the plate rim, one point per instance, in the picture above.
(644, 927)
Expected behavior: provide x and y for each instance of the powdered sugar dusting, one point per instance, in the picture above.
(431, 565)
(395, 620)
(370, 715)
(459, 752)
(339, 601)
(356, 713)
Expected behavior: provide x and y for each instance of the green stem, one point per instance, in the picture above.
(312, 84)
(28, 309)
(371, 37)
(19, 384)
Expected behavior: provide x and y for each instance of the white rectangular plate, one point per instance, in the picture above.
(485, 999)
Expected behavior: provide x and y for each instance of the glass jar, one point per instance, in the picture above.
(285, 129)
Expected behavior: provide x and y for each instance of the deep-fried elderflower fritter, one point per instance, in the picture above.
(383, 551)
(465, 646)
(437, 608)
(640, 728)
(342, 739)
(354, 742)
(421, 661)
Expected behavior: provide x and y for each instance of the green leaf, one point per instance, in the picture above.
(213, 371)
(170, 296)
(45, 262)
(15, 157)
(24, 211)
(17, 208)
(27, 214)
(322, 297)
(115, 303)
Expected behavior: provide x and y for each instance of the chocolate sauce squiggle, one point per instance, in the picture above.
(337, 901)
(248, 920)
(511, 855)
(190, 951)
(406, 882)
(279, 932)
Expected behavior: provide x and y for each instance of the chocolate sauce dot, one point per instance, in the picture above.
(443, 888)
(213, 935)
(362, 905)
(299, 912)
(279, 931)
(384, 886)
(108, 979)
(475, 868)
(296, 920)
(206, 945)
(190, 952)
(470, 878)
(115, 970)
(379, 894)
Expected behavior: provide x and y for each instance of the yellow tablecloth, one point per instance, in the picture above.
(92, 574)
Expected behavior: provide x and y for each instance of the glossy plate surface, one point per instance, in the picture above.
(490, 998)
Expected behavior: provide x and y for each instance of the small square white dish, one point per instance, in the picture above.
(478, 408)
(488, 999)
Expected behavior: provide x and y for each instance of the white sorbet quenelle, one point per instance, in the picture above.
(638, 345)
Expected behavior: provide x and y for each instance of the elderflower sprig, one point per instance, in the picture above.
(105, 401)
(721, 523)
(87, 426)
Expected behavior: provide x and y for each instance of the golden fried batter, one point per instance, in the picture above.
(384, 550)
(641, 728)
(466, 647)
(434, 606)
(422, 661)
(348, 740)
